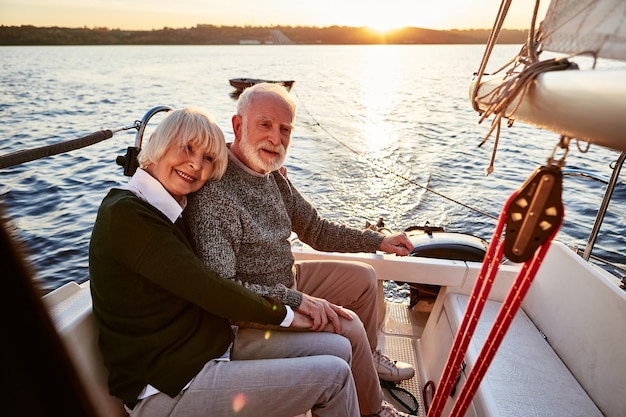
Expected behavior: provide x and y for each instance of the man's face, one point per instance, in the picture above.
(263, 135)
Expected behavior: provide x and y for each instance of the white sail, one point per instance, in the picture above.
(579, 26)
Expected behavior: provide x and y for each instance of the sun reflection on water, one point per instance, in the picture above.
(378, 82)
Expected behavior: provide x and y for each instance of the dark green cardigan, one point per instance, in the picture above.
(161, 313)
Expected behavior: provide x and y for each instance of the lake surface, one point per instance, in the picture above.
(382, 131)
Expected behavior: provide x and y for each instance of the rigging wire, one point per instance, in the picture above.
(493, 37)
(504, 100)
(377, 164)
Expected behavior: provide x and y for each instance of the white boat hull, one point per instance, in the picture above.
(578, 308)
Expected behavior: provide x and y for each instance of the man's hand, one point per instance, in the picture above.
(321, 312)
(397, 243)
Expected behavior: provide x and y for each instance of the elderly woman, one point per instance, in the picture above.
(164, 318)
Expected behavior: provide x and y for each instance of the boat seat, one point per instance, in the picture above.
(563, 351)
(70, 310)
(581, 310)
(526, 377)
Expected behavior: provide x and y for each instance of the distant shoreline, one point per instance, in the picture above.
(248, 35)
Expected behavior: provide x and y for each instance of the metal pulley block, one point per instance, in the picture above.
(534, 213)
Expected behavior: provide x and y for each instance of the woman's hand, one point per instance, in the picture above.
(322, 312)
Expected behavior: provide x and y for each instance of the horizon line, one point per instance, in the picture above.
(197, 25)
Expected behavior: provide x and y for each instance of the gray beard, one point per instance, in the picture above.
(252, 155)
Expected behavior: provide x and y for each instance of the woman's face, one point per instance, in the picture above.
(183, 170)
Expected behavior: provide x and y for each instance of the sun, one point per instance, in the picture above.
(379, 17)
(383, 28)
(383, 19)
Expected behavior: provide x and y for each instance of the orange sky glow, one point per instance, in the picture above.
(157, 14)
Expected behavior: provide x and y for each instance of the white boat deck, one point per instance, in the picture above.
(578, 309)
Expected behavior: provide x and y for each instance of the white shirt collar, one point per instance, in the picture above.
(150, 190)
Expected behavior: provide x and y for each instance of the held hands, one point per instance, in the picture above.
(397, 243)
(319, 313)
(301, 321)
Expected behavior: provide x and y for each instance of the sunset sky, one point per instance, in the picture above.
(156, 14)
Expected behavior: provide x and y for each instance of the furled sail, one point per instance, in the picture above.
(586, 104)
(580, 26)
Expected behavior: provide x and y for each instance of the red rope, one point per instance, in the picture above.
(482, 287)
(474, 308)
(507, 312)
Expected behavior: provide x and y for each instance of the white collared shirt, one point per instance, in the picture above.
(150, 190)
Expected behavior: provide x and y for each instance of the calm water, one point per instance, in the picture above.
(376, 124)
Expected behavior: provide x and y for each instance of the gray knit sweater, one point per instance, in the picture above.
(241, 224)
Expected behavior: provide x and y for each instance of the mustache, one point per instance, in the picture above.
(279, 149)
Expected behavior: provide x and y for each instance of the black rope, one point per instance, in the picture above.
(391, 387)
(28, 155)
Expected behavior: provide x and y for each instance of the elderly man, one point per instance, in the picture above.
(241, 225)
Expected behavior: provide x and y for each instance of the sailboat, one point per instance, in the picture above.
(531, 327)
(539, 333)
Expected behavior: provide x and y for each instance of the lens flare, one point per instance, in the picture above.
(239, 402)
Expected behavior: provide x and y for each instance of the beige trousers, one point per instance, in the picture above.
(353, 286)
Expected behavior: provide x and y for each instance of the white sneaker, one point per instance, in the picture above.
(389, 370)
(388, 410)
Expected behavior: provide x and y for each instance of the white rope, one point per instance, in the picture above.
(517, 81)
(491, 42)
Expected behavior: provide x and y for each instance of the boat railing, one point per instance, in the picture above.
(144, 122)
(129, 160)
(585, 174)
(608, 194)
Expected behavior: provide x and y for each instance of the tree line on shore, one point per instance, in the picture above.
(231, 35)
